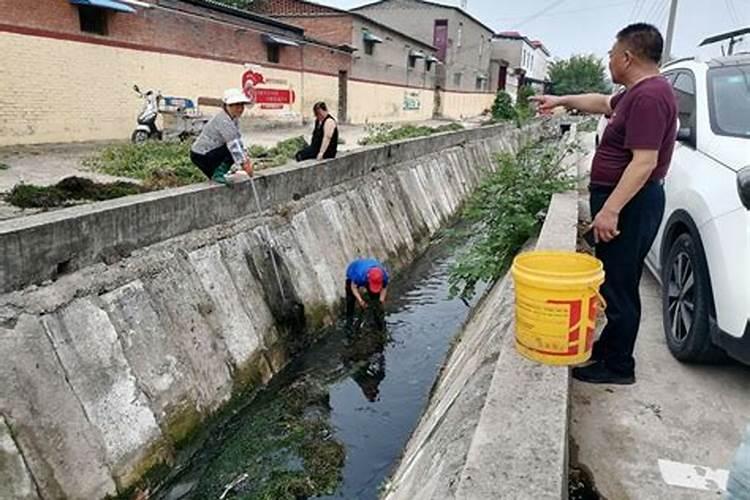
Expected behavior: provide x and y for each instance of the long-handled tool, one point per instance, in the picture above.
(268, 241)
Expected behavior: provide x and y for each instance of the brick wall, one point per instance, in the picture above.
(290, 8)
(336, 30)
(181, 28)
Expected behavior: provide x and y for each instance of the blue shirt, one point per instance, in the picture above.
(357, 271)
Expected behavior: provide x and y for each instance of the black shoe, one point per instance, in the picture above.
(598, 373)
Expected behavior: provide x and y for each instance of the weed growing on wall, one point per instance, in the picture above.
(382, 133)
(502, 213)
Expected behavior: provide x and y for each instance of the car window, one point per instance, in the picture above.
(729, 100)
(684, 86)
(670, 76)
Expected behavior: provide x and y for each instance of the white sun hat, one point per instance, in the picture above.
(235, 96)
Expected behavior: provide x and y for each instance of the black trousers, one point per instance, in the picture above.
(374, 304)
(209, 162)
(623, 260)
(306, 153)
(311, 153)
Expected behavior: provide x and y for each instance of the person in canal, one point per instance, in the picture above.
(325, 137)
(368, 276)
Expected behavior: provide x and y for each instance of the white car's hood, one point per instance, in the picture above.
(734, 152)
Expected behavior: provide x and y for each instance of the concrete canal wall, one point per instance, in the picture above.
(496, 425)
(124, 324)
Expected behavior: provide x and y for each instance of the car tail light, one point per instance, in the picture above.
(743, 186)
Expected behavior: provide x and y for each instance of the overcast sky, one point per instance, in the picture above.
(588, 26)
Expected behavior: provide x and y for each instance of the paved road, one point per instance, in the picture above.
(681, 413)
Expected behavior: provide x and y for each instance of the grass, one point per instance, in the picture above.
(69, 191)
(277, 155)
(382, 133)
(167, 164)
(156, 164)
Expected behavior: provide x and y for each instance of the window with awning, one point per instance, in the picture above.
(93, 15)
(414, 55)
(429, 61)
(270, 39)
(105, 4)
(372, 38)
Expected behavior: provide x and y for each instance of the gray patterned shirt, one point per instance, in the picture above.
(221, 130)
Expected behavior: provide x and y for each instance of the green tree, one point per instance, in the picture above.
(502, 108)
(578, 75)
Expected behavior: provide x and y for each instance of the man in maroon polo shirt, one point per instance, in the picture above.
(627, 197)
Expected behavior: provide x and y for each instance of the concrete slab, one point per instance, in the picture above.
(103, 381)
(65, 454)
(179, 299)
(162, 369)
(15, 480)
(683, 413)
(234, 325)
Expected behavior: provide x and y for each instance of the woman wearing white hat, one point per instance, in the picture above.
(219, 147)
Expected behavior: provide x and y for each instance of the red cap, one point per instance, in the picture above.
(375, 279)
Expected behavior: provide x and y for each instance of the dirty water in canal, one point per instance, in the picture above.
(334, 423)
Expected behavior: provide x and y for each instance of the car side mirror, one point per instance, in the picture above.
(685, 134)
(136, 88)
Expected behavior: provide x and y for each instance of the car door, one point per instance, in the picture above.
(683, 83)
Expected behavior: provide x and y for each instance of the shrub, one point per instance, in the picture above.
(502, 213)
(502, 109)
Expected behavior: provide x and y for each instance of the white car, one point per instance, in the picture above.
(702, 251)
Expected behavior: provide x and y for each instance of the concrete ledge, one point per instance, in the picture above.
(520, 447)
(496, 424)
(43, 246)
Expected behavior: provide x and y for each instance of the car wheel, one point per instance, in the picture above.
(139, 136)
(686, 301)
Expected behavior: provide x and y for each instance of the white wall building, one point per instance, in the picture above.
(522, 61)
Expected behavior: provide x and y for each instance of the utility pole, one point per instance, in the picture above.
(670, 32)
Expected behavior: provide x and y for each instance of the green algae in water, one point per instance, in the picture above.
(283, 449)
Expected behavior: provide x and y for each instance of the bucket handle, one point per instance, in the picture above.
(600, 298)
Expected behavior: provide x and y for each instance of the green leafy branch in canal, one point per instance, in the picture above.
(502, 213)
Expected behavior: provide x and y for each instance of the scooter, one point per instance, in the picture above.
(146, 128)
(182, 118)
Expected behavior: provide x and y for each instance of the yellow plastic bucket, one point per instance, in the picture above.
(557, 297)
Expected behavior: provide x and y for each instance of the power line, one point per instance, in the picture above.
(540, 13)
(650, 16)
(662, 15)
(571, 11)
(733, 11)
(635, 10)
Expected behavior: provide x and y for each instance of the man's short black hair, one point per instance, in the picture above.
(644, 40)
(320, 105)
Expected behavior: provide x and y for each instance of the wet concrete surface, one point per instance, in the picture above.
(377, 385)
(688, 414)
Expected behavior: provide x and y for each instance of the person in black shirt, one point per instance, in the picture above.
(325, 137)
